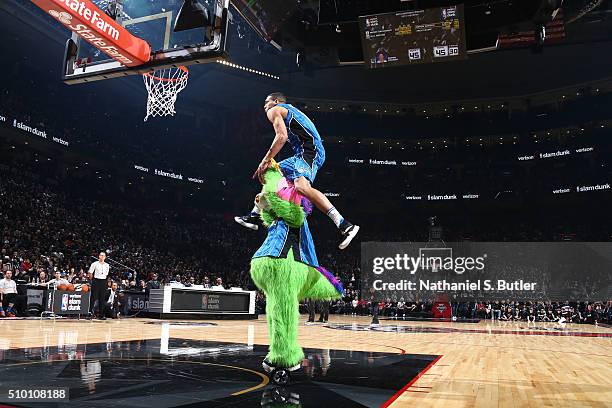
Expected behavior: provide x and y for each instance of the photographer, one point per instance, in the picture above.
(111, 302)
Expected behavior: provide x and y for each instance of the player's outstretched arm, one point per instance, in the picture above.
(275, 116)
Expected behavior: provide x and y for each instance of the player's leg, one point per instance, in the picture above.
(251, 220)
(304, 174)
(311, 310)
(319, 200)
(92, 298)
(9, 299)
(101, 301)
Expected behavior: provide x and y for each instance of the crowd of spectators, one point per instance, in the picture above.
(44, 231)
(505, 310)
(49, 234)
(48, 229)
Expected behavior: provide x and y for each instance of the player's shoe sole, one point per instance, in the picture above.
(350, 233)
(244, 223)
(269, 367)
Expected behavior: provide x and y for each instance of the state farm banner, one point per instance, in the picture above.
(89, 22)
(481, 271)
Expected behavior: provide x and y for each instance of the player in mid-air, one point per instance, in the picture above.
(291, 125)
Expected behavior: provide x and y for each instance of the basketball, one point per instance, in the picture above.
(62, 286)
(70, 287)
(84, 288)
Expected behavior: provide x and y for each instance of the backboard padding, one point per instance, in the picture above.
(152, 21)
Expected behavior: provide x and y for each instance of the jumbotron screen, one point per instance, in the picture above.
(413, 37)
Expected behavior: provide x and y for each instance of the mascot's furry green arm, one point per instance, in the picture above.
(285, 267)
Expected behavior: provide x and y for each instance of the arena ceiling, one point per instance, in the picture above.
(35, 40)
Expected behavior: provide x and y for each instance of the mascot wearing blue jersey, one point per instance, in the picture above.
(286, 269)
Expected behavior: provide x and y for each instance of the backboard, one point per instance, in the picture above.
(153, 21)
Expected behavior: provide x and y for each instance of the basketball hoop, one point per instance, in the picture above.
(163, 85)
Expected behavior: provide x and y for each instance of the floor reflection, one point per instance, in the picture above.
(518, 330)
(172, 372)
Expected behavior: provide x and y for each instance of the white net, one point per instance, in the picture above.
(163, 86)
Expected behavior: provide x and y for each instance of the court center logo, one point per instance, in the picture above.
(62, 16)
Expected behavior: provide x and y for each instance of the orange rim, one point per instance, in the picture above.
(181, 67)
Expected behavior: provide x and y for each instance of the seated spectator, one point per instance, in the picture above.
(481, 310)
(124, 285)
(71, 276)
(21, 276)
(218, 284)
(41, 279)
(153, 283)
(25, 266)
(12, 303)
(81, 277)
(57, 280)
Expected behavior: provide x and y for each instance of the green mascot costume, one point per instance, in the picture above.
(286, 269)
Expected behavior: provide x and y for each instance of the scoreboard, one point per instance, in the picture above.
(413, 37)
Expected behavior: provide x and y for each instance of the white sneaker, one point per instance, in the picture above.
(349, 233)
(248, 221)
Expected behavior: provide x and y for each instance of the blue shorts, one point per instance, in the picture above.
(295, 166)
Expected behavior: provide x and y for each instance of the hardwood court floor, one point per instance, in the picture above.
(484, 364)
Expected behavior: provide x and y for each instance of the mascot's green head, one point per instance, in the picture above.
(279, 200)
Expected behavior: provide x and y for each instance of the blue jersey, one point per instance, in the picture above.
(303, 136)
(281, 238)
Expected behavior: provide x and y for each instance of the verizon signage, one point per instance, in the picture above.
(582, 189)
(88, 21)
(558, 153)
(441, 197)
(379, 162)
(169, 174)
(33, 130)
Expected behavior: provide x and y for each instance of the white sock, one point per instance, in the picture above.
(255, 210)
(335, 216)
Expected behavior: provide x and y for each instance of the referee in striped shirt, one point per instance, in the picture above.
(98, 272)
